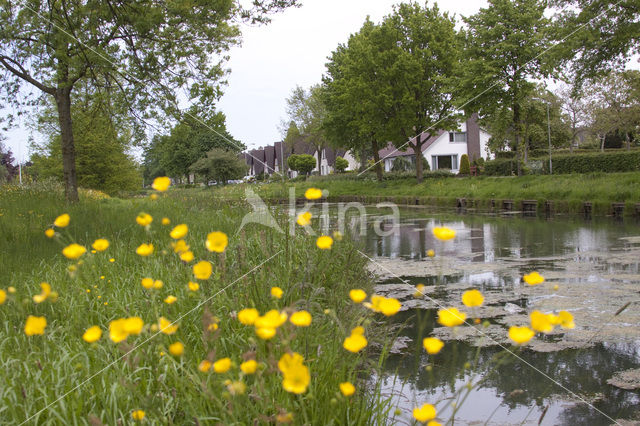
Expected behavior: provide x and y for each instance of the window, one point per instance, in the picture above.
(444, 162)
(458, 137)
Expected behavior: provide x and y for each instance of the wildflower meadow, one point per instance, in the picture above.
(157, 309)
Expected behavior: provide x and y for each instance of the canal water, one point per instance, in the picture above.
(592, 269)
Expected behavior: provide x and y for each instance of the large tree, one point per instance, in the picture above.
(187, 142)
(142, 48)
(422, 76)
(356, 95)
(505, 43)
(306, 110)
(104, 133)
(220, 165)
(597, 35)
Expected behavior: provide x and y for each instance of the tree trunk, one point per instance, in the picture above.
(516, 129)
(628, 140)
(363, 159)
(63, 104)
(376, 159)
(602, 139)
(417, 149)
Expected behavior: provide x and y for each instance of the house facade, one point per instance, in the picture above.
(444, 150)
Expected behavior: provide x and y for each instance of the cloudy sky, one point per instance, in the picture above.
(273, 59)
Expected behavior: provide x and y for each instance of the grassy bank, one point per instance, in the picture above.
(59, 378)
(567, 192)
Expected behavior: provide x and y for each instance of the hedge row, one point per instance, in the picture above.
(614, 162)
(628, 161)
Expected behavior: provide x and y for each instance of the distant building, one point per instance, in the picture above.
(442, 151)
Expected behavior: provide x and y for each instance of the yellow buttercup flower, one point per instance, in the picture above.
(49, 233)
(384, 305)
(357, 295)
(165, 220)
(355, 343)
(520, 335)
(204, 366)
(147, 283)
(161, 183)
(144, 219)
(35, 325)
(11, 289)
(249, 367)
(222, 365)
(73, 251)
(145, 250)
(389, 306)
(301, 318)
(324, 242)
(276, 292)
(170, 299)
(566, 319)
(471, 298)
(248, 316)
(304, 219)
(3, 296)
(62, 221)
(541, 322)
(179, 231)
(451, 317)
(217, 241)
(180, 246)
(432, 345)
(425, 413)
(202, 270)
(533, 278)
(100, 244)
(272, 319)
(265, 333)
(186, 256)
(176, 349)
(165, 326)
(157, 284)
(44, 294)
(137, 415)
(419, 291)
(133, 325)
(337, 235)
(193, 286)
(296, 376)
(92, 334)
(431, 253)
(313, 194)
(153, 197)
(347, 388)
(443, 233)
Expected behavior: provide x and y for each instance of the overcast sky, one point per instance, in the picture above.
(273, 59)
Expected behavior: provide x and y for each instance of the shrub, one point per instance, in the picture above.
(401, 164)
(465, 167)
(505, 155)
(500, 167)
(341, 164)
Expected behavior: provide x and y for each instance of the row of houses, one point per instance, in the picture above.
(442, 151)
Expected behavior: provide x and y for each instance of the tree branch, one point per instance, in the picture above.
(23, 74)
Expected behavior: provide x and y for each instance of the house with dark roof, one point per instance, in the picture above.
(443, 150)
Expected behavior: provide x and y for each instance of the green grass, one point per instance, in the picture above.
(58, 378)
(568, 192)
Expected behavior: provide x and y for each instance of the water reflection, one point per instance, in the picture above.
(510, 390)
(516, 391)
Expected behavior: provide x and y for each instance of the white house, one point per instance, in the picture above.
(443, 151)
